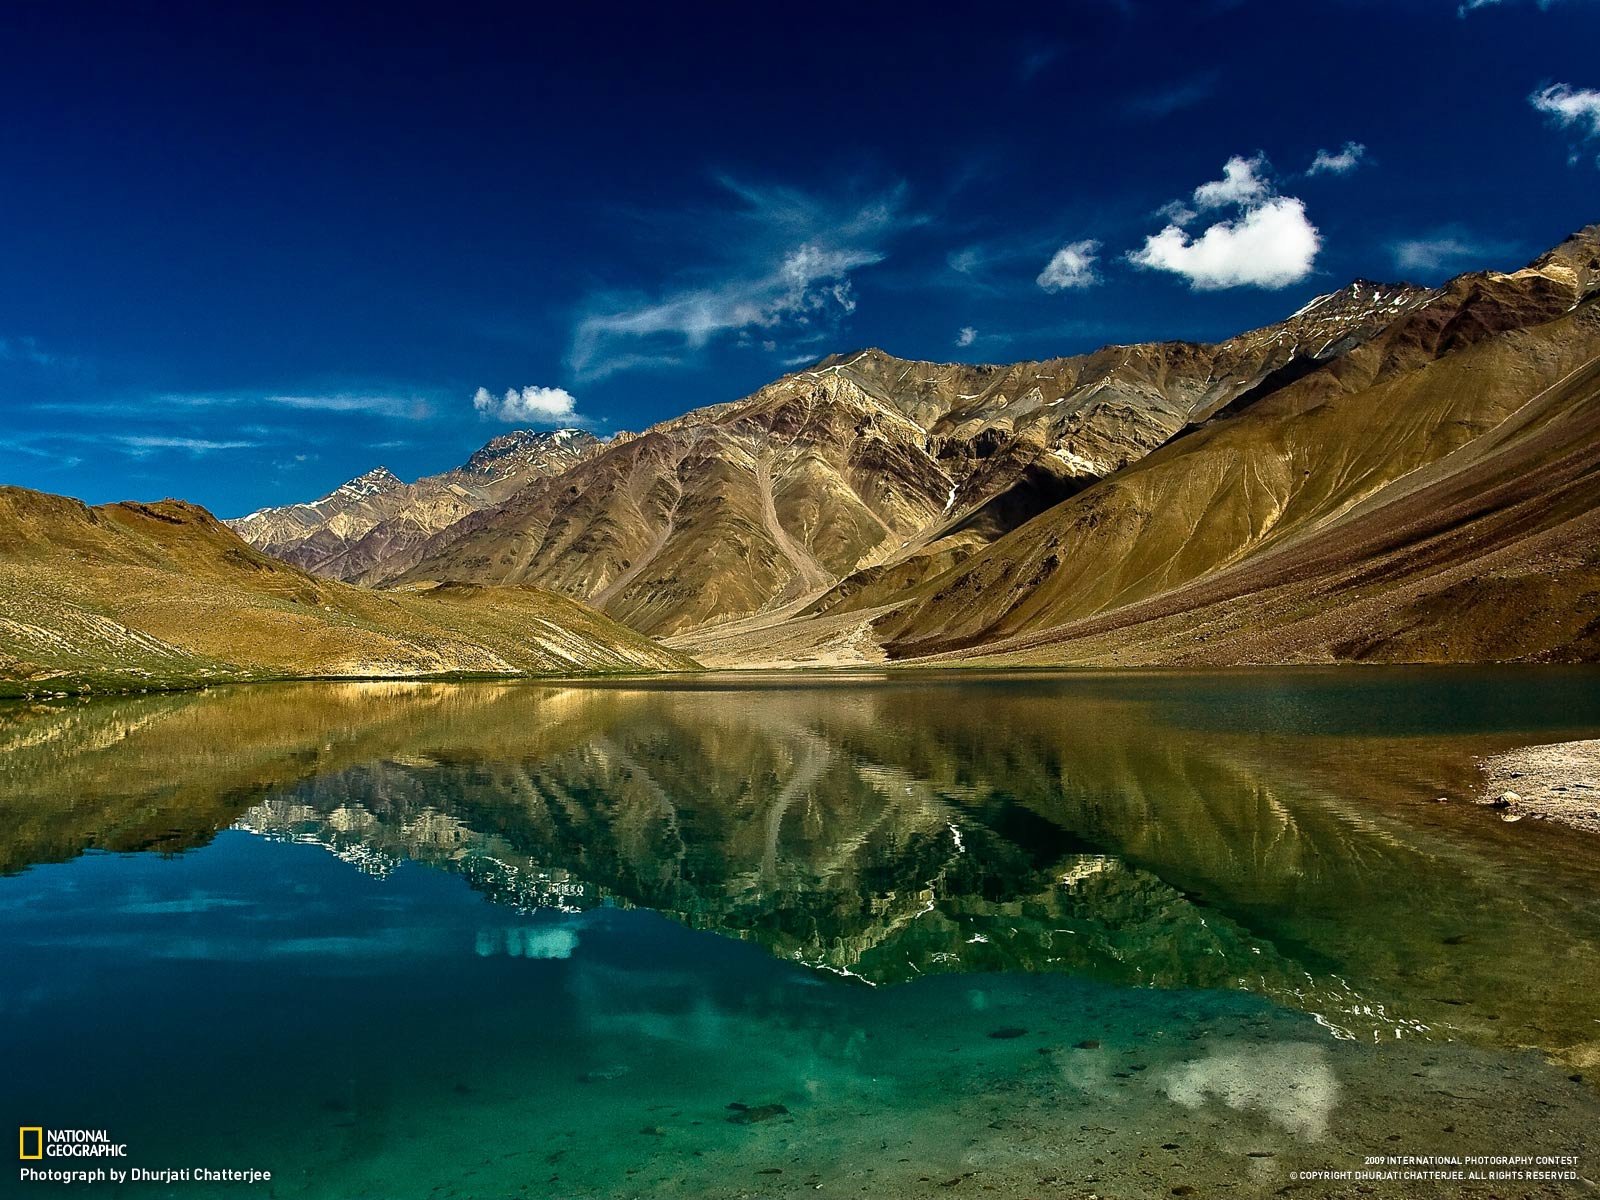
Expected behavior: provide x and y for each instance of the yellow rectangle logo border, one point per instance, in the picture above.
(22, 1143)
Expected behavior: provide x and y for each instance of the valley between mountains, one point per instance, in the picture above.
(1391, 474)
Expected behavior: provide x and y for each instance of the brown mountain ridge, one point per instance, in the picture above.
(1391, 472)
(138, 596)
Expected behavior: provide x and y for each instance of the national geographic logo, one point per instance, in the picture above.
(35, 1143)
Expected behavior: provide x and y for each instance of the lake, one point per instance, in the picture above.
(924, 933)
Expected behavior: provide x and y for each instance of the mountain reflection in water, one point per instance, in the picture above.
(1278, 833)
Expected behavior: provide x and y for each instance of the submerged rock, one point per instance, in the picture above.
(745, 1115)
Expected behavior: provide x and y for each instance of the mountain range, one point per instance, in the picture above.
(1392, 473)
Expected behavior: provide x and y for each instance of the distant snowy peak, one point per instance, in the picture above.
(1333, 323)
(529, 446)
(373, 483)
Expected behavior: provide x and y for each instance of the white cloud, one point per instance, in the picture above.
(529, 405)
(967, 336)
(1338, 162)
(1072, 266)
(786, 261)
(1243, 182)
(1270, 243)
(1570, 106)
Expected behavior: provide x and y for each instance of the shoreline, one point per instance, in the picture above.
(1556, 781)
(87, 685)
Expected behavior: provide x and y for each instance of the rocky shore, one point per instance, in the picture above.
(1557, 782)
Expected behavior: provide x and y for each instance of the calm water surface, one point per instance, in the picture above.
(1040, 934)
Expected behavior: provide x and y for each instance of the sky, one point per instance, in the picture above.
(248, 252)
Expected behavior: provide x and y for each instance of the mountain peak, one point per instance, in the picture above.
(500, 453)
(369, 483)
(1575, 261)
(1362, 295)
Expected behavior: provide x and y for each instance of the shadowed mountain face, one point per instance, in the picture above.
(127, 596)
(362, 529)
(1272, 833)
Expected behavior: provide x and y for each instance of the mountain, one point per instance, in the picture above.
(865, 469)
(1391, 473)
(149, 595)
(365, 529)
(1430, 495)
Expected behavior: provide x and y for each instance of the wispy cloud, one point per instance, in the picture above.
(1163, 102)
(781, 262)
(25, 350)
(1337, 162)
(528, 405)
(410, 408)
(1572, 108)
(27, 446)
(142, 444)
(1036, 60)
(376, 403)
(995, 266)
(1447, 251)
(1269, 243)
(967, 336)
(966, 261)
(1071, 267)
(1468, 7)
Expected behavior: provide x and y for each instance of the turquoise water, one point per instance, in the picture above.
(1040, 934)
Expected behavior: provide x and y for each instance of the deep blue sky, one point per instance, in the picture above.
(247, 253)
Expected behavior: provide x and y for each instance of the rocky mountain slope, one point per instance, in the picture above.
(362, 529)
(150, 595)
(1392, 472)
(864, 469)
(1433, 494)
